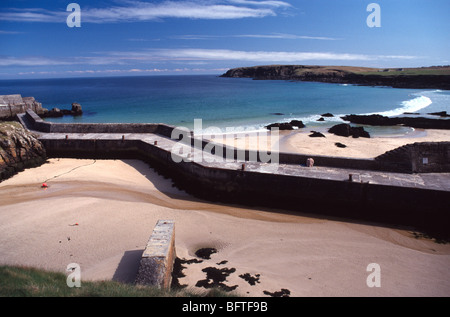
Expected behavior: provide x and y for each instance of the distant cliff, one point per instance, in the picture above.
(19, 149)
(437, 77)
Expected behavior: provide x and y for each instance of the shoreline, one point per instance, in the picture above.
(116, 204)
(299, 141)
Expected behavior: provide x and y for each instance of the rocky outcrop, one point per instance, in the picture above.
(437, 77)
(414, 122)
(346, 130)
(286, 125)
(57, 113)
(442, 114)
(19, 149)
(315, 134)
(11, 105)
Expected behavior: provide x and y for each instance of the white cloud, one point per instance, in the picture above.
(33, 15)
(262, 56)
(287, 36)
(282, 36)
(262, 3)
(133, 11)
(10, 32)
(197, 55)
(123, 71)
(32, 61)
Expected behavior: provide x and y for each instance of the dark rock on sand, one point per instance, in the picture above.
(346, 130)
(252, 280)
(283, 293)
(205, 253)
(215, 278)
(338, 144)
(316, 134)
(286, 125)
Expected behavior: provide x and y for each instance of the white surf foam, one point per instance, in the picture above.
(412, 105)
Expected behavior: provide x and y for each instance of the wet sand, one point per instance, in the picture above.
(100, 214)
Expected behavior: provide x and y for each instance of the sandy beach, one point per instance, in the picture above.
(100, 214)
(299, 141)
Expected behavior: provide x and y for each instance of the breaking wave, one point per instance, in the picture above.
(412, 105)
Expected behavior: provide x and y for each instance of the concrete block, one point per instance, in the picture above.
(157, 260)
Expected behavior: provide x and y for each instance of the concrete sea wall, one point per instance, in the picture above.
(387, 203)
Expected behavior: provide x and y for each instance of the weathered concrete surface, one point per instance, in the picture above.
(158, 257)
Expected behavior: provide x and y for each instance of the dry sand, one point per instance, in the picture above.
(100, 214)
(299, 141)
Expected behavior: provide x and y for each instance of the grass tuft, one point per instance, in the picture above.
(19, 281)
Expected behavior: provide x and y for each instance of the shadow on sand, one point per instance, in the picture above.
(128, 267)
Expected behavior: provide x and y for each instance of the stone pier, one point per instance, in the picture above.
(158, 257)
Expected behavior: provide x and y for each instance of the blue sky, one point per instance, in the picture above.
(137, 37)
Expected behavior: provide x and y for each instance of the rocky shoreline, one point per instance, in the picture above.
(413, 122)
(19, 149)
(437, 77)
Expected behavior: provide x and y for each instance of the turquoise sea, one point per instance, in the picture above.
(226, 103)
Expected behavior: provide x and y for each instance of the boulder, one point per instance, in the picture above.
(297, 123)
(342, 129)
(286, 125)
(440, 114)
(19, 149)
(346, 130)
(327, 115)
(54, 113)
(357, 132)
(316, 134)
(76, 109)
(414, 122)
(280, 126)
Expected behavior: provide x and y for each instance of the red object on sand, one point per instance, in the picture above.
(44, 185)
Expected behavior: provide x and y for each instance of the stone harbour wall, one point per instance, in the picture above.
(388, 202)
(11, 105)
(157, 260)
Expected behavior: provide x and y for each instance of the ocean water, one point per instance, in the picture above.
(231, 104)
